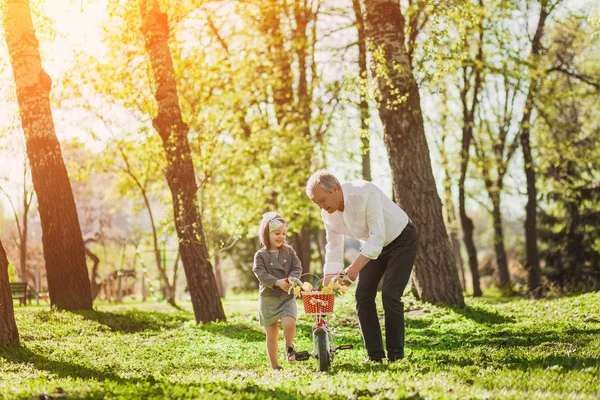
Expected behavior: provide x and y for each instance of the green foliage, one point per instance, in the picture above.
(253, 150)
(508, 350)
(569, 147)
(12, 272)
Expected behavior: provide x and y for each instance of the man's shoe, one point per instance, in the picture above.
(395, 357)
(370, 360)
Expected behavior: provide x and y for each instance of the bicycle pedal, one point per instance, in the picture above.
(302, 356)
(345, 347)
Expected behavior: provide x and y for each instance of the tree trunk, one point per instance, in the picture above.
(575, 251)
(160, 265)
(94, 285)
(458, 259)
(219, 276)
(435, 277)
(64, 251)
(283, 94)
(302, 17)
(364, 104)
(500, 250)
(302, 240)
(532, 263)
(467, 128)
(25, 230)
(453, 229)
(172, 289)
(467, 227)
(23, 248)
(9, 335)
(180, 169)
(448, 203)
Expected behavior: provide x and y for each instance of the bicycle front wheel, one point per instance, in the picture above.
(323, 351)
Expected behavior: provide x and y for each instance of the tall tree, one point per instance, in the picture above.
(469, 99)
(180, 173)
(287, 35)
(532, 263)
(567, 137)
(142, 180)
(449, 207)
(494, 151)
(9, 335)
(363, 105)
(64, 251)
(436, 277)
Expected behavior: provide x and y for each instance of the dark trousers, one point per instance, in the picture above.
(394, 264)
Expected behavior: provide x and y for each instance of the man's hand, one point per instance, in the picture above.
(354, 268)
(352, 273)
(283, 284)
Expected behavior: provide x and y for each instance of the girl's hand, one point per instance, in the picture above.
(283, 284)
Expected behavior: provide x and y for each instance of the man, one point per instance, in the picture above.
(389, 246)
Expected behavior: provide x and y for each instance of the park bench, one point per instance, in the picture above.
(18, 290)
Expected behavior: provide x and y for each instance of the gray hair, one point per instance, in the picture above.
(323, 178)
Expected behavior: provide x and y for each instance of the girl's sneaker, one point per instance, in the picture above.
(291, 355)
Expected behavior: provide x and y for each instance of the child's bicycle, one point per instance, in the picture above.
(320, 304)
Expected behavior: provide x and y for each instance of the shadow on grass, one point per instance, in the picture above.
(131, 321)
(482, 316)
(169, 390)
(559, 363)
(523, 338)
(417, 323)
(62, 369)
(553, 362)
(355, 368)
(429, 339)
(133, 388)
(231, 330)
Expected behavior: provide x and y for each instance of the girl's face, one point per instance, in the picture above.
(277, 238)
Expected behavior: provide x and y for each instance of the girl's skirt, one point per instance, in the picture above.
(272, 309)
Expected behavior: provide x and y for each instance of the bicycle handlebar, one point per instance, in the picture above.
(342, 274)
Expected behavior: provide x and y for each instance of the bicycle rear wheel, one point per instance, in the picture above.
(323, 351)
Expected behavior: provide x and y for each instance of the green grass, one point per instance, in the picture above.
(519, 349)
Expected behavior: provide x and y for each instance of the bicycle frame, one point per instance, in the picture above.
(324, 343)
(321, 325)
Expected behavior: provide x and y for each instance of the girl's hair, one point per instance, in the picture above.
(263, 230)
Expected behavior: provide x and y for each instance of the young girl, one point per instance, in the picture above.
(273, 264)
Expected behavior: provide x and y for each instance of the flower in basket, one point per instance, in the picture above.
(333, 287)
(299, 287)
(295, 285)
(297, 291)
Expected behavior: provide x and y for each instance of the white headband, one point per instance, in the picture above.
(274, 223)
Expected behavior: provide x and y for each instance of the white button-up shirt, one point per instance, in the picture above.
(369, 216)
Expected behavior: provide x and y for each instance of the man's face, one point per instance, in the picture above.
(326, 201)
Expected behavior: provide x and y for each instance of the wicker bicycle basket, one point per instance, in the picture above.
(318, 303)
